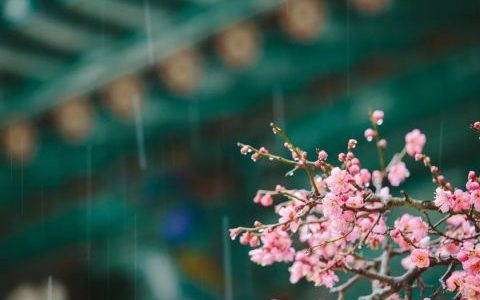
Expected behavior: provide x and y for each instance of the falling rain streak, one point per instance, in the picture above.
(49, 288)
(88, 226)
(137, 110)
(227, 261)
(148, 31)
(278, 107)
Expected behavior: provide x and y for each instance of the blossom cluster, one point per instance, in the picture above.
(323, 230)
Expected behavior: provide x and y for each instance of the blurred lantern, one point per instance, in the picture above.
(19, 141)
(181, 71)
(73, 119)
(178, 224)
(303, 19)
(25, 291)
(371, 7)
(238, 45)
(120, 96)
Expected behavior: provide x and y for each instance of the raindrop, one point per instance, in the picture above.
(380, 122)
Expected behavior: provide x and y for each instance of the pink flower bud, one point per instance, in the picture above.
(382, 143)
(254, 241)
(370, 134)
(426, 160)
(257, 198)
(418, 156)
(245, 238)
(322, 155)
(476, 125)
(244, 150)
(473, 185)
(266, 200)
(441, 179)
(434, 169)
(462, 256)
(234, 232)
(341, 157)
(352, 143)
(472, 175)
(256, 156)
(354, 169)
(263, 150)
(377, 117)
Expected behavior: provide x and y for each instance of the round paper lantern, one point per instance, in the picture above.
(303, 19)
(74, 119)
(238, 45)
(371, 7)
(181, 71)
(120, 94)
(19, 141)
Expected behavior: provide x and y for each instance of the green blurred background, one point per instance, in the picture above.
(119, 119)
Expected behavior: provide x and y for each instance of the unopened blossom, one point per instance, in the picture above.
(266, 200)
(322, 155)
(244, 150)
(352, 143)
(414, 142)
(476, 125)
(397, 173)
(382, 143)
(370, 134)
(377, 117)
(420, 258)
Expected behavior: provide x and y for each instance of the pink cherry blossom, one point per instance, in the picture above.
(322, 228)
(443, 199)
(415, 140)
(397, 173)
(420, 258)
(456, 280)
(276, 247)
(339, 181)
(332, 206)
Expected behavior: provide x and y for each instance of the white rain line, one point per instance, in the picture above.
(50, 288)
(137, 110)
(278, 107)
(148, 31)
(227, 261)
